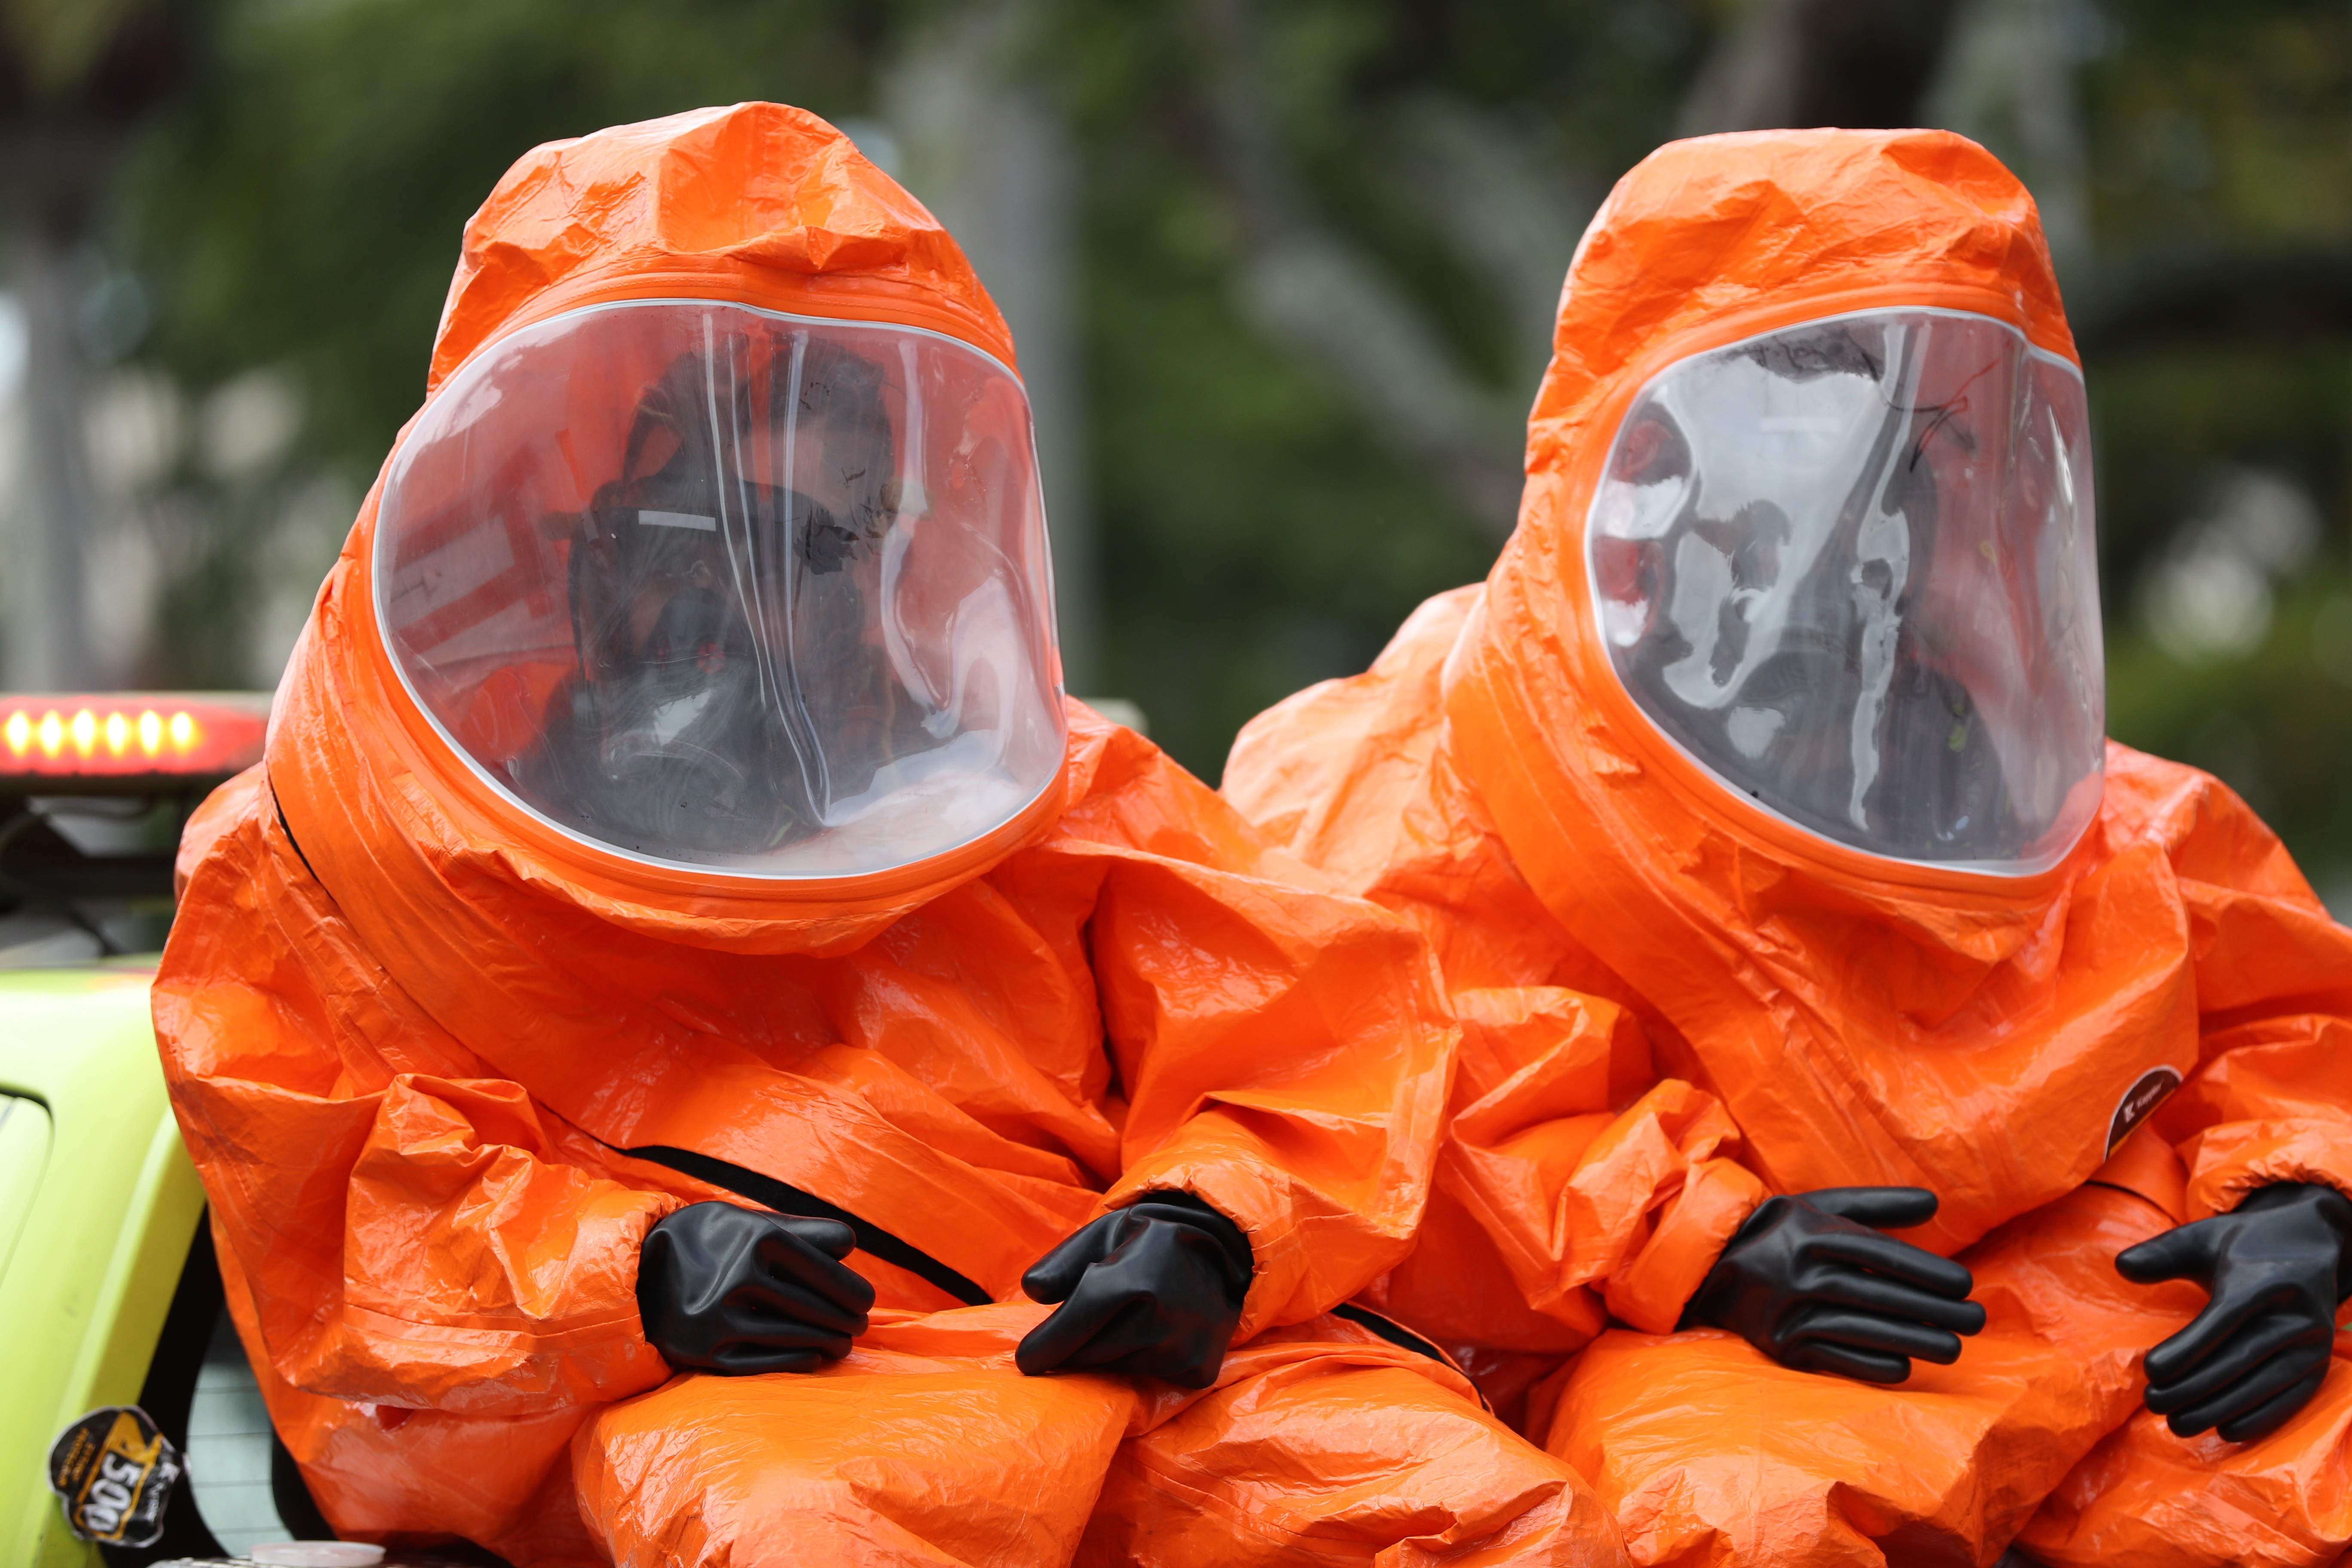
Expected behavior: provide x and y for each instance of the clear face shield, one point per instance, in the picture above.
(716, 587)
(1849, 568)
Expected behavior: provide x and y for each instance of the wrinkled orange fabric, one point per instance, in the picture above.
(1817, 1017)
(409, 1034)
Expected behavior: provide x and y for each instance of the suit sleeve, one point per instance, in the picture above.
(2271, 1097)
(1590, 1173)
(416, 1233)
(1633, 1204)
(1579, 1192)
(1284, 1050)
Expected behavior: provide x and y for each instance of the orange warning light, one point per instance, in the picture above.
(131, 736)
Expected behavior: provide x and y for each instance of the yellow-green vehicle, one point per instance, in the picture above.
(109, 1295)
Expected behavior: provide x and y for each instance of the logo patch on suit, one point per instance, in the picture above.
(2153, 1088)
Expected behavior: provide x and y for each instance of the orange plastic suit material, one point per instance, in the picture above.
(1818, 1017)
(410, 1033)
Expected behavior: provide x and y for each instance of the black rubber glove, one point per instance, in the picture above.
(723, 1288)
(1808, 1281)
(2276, 1268)
(1154, 1290)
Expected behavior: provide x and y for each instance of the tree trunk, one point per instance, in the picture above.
(1791, 64)
(49, 642)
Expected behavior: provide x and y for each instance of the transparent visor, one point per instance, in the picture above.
(1849, 568)
(719, 587)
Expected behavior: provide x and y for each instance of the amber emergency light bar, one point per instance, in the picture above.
(129, 738)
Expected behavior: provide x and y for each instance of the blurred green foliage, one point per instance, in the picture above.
(299, 204)
(2229, 123)
(2221, 146)
(1255, 536)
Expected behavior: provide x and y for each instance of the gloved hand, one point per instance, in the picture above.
(728, 1290)
(1155, 1289)
(1809, 1283)
(2277, 1267)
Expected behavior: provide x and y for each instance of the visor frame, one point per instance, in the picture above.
(1652, 375)
(434, 746)
(1628, 396)
(1499, 694)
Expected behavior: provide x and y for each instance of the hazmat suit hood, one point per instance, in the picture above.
(1771, 743)
(1786, 693)
(671, 802)
(707, 596)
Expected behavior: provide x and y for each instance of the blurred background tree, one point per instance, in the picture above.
(1282, 272)
(75, 81)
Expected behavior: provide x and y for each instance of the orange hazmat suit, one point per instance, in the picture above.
(1710, 940)
(672, 799)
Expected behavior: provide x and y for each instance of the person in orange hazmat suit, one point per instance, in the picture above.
(1759, 807)
(682, 970)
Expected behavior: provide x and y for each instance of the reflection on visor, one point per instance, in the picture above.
(723, 588)
(1849, 568)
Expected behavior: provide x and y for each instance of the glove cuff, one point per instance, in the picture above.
(2333, 1206)
(1179, 1207)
